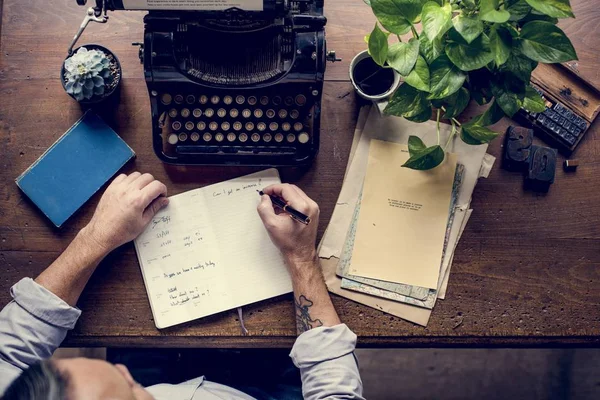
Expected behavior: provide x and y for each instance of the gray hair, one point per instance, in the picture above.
(41, 381)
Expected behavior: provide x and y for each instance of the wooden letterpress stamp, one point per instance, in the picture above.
(517, 148)
(542, 168)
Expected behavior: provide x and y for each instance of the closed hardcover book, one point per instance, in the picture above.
(74, 168)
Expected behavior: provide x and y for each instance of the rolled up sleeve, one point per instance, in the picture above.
(328, 367)
(32, 326)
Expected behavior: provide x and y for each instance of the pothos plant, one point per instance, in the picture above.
(484, 50)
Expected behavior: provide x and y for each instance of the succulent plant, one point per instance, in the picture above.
(87, 73)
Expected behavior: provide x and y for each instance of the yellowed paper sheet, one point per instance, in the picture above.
(403, 218)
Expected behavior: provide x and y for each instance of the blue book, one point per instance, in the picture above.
(74, 168)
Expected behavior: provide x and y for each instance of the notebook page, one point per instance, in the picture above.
(180, 262)
(254, 266)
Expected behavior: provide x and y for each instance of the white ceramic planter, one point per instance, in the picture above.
(378, 98)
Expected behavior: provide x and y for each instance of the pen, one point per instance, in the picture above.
(295, 214)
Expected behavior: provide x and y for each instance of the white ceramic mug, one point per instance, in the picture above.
(377, 98)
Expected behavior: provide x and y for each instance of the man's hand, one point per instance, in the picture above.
(295, 240)
(125, 209)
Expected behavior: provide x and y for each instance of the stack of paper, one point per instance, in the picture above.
(392, 236)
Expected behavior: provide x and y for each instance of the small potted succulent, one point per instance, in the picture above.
(463, 50)
(91, 74)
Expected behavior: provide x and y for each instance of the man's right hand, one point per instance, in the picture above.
(295, 240)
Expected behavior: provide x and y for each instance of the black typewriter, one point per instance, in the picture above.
(233, 86)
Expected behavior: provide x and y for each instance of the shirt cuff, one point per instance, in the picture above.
(43, 304)
(322, 344)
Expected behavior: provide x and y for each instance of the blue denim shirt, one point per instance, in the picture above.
(35, 323)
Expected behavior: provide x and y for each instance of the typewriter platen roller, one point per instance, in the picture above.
(239, 83)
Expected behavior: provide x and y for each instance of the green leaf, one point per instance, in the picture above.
(500, 43)
(407, 102)
(469, 56)
(436, 20)
(367, 2)
(533, 102)
(423, 116)
(545, 42)
(403, 56)
(426, 159)
(489, 12)
(475, 134)
(469, 27)
(519, 65)
(378, 45)
(518, 9)
(430, 50)
(419, 76)
(415, 145)
(534, 16)
(392, 15)
(446, 78)
(492, 115)
(459, 101)
(509, 93)
(553, 8)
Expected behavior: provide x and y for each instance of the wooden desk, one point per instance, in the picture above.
(526, 271)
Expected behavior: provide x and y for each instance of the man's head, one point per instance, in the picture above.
(76, 378)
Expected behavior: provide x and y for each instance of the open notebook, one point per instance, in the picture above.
(208, 252)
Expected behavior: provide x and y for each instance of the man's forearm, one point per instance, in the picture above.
(312, 302)
(67, 276)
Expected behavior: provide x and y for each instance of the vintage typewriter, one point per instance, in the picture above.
(233, 82)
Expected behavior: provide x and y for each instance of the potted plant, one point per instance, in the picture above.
(484, 50)
(370, 80)
(91, 74)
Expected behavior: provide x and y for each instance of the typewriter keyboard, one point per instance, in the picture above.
(213, 123)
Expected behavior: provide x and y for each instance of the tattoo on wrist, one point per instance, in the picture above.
(304, 322)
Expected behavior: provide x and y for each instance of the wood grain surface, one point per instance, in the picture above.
(526, 271)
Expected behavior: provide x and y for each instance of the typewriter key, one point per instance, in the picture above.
(176, 125)
(209, 112)
(252, 100)
(249, 126)
(203, 99)
(201, 125)
(237, 125)
(243, 137)
(276, 100)
(240, 99)
(261, 126)
(279, 137)
(213, 126)
(182, 137)
(227, 100)
(215, 99)
(267, 137)
(291, 137)
(219, 137)
(207, 137)
(246, 113)
(294, 114)
(189, 125)
(286, 126)
(197, 112)
(258, 113)
(225, 126)
(221, 112)
(190, 99)
(264, 100)
(172, 113)
(303, 137)
(178, 99)
(300, 100)
(273, 126)
(289, 101)
(173, 138)
(298, 126)
(233, 113)
(283, 113)
(166, 99)
(195, 136)
(270, 113)
(231, 136)
(255, 137)
(185, 112)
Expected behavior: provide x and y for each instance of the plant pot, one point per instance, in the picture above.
(371, 81)
(116, 73)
